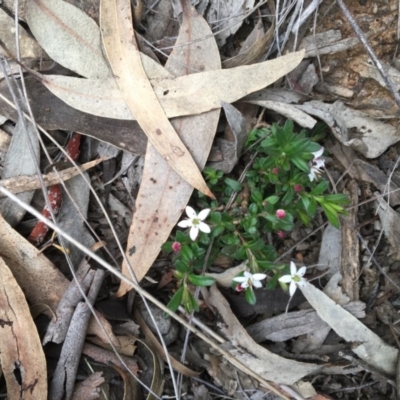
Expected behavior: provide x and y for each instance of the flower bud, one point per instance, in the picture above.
(298, 188)
(280, 213)
(176, 246)
(239, 288)
(281, 234)
(275, 171)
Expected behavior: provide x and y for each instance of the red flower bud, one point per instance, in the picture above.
(275, 171)
(176, 246)
(280, 213)
(239, 288)
(298, 188)
(281, 234)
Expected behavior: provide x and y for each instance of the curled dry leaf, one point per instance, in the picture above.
(353, 128)
(73, 30)
(224, 279)
(163, 194)
(266, 364)
(21, 351)
(40, 280)
(19, 161)
(370, 347)
(28, 47)
(185, 95)
(124, 57)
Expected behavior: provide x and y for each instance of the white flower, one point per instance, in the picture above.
(250, 279)
(195, 222)
(295, 278)
(316, 164)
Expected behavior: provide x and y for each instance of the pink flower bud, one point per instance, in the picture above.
(176, 246)
(239, 288)
(281, 234)
(275, 171)
(298, 188)
(280, 213)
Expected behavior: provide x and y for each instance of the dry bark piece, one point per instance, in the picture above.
(124, 57)
(58, 327)
(21, 351)
(350, 264)
(64, 377)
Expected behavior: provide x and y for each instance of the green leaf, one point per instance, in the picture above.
(320, 188)
(273, 282)
(181, 266)
(235, 185)
(181, 237)
(194, 303)
(253, 209)
(337, 198)
(176, 299)
(250, 296)
(256, 196)
(186, 253)
(331, 214)
(306, 201)
(300, 163)
(167, 246)
(272, 199)
(201, 280)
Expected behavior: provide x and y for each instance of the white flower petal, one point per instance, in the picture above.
(285, 278)
(247, 274)
(303, 282)
(239, 279)
(245, 284)
(318, 153)
(319, 163)
(311, 176)
(190, 212)
(292, 288)
(293, 268)
(203, 214)
(301, 271)
(194, 231)
(259, 277)
(204, 227)
(257, 284)
(186, 223)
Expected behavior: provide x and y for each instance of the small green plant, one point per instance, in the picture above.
(283, 187)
